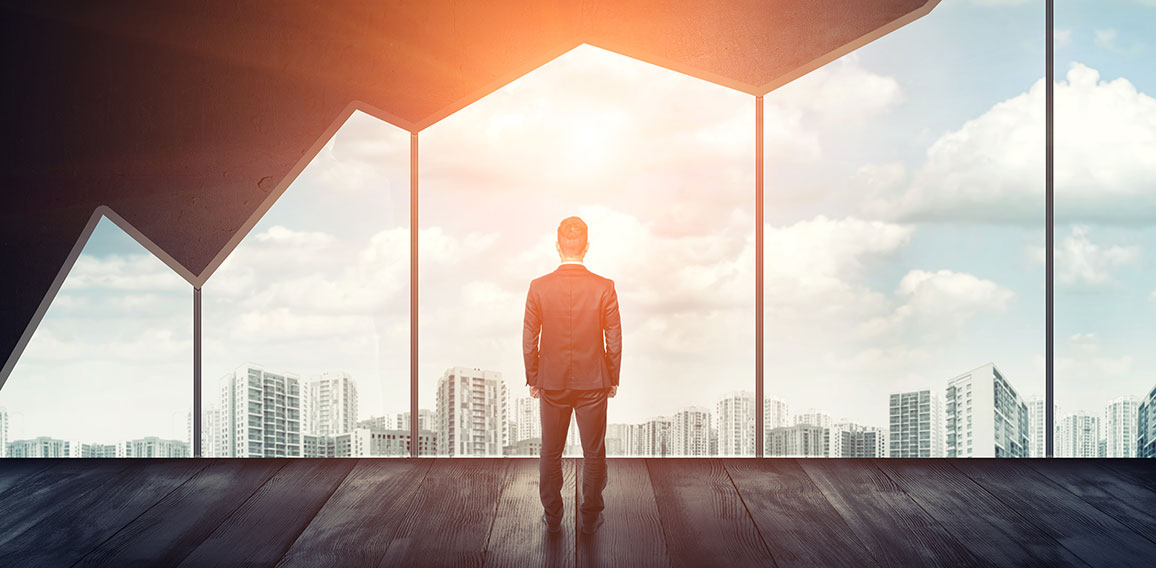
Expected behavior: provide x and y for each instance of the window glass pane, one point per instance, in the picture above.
(904, 219)
(307, 322)
(108, 371)
(660, 166)
(1105, 206)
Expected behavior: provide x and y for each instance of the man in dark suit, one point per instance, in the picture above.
(572, 344)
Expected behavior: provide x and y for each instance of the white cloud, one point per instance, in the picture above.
(1062, 37)
(1106, 39)
(935, 305)
(839, 93)
(991, 169)
(1079, 261)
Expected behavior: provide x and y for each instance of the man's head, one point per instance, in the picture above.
(572, 243)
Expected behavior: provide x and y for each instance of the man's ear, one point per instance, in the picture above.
(586, 248)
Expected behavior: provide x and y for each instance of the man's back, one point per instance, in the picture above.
(572, 336)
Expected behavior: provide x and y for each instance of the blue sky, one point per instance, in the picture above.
(904, 219)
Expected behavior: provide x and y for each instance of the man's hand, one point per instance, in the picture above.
(534, 391)
(613, 391)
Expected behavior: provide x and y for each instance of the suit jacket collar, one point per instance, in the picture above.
(571, 267)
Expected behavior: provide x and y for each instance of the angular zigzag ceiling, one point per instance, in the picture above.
(188, 119)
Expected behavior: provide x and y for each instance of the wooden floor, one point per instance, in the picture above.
(660, 512)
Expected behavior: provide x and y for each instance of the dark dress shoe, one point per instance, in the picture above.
(552, 527)
(590, 527)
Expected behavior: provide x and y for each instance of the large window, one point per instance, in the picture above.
(660, 166)
(107, 372)
(904, 214)
(306, 323)
(1105, 147)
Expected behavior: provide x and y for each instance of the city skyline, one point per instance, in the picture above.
(302, 416)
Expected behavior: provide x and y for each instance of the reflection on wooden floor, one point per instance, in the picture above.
(473, 512)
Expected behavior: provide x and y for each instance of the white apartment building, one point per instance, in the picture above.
(801, 440)
(3, 432)
(656, 434)
(153, 447)
(1078, 436)
(426, 420)
(776, 413)
(1037, 427)
(851, 440)
(472, 410)
(735, 416)
(917, 427)
(331, 404)
(814, 417)
(985, 417)
(40, 447)
(1118, 427)
(528, 415)
(260, 413)
(1146, 426)
(690, 432)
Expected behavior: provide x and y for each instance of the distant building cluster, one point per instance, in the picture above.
(262, 413)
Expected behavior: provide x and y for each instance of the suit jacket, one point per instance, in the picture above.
(574, 313)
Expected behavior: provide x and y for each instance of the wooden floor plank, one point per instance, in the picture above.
(166, 533)
(631, 533)
(987, 526)
(799, 525)
(892, 526)
(703, 518)
(518, 537)
(1142, 472)
(16, 471)
(450, 517)
(1105, 489)
(1089, 533)
(52, 491)
(64, 536)
(268, 522)
(357, 523)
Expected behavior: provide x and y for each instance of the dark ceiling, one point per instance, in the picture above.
(186, 118)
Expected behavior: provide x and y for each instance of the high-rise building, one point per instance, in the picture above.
(526, 447)
(40, 447)
(3, 432)
(776, 413)
(656, 437)
(1078, 436)
(154, 447)
(1146, 426)
(472, 412)
(735, 416)
(850, 440)
(1037, 427)
(260, 414)
(1118, 427)
(917, 428)
(362, 442)
(211, 429)
(331, 401)
(426, 420)
(528, 415)
(985, 416)
(814, 417)
(690, 434)
(801, 440)
(615, 438)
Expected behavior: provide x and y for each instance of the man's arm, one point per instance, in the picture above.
(612, 332)
(531, 330)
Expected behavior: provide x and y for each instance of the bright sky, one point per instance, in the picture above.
(904, 237)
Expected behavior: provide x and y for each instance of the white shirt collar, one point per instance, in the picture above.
(572, 262)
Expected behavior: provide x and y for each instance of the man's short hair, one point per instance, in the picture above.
(572, 236)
